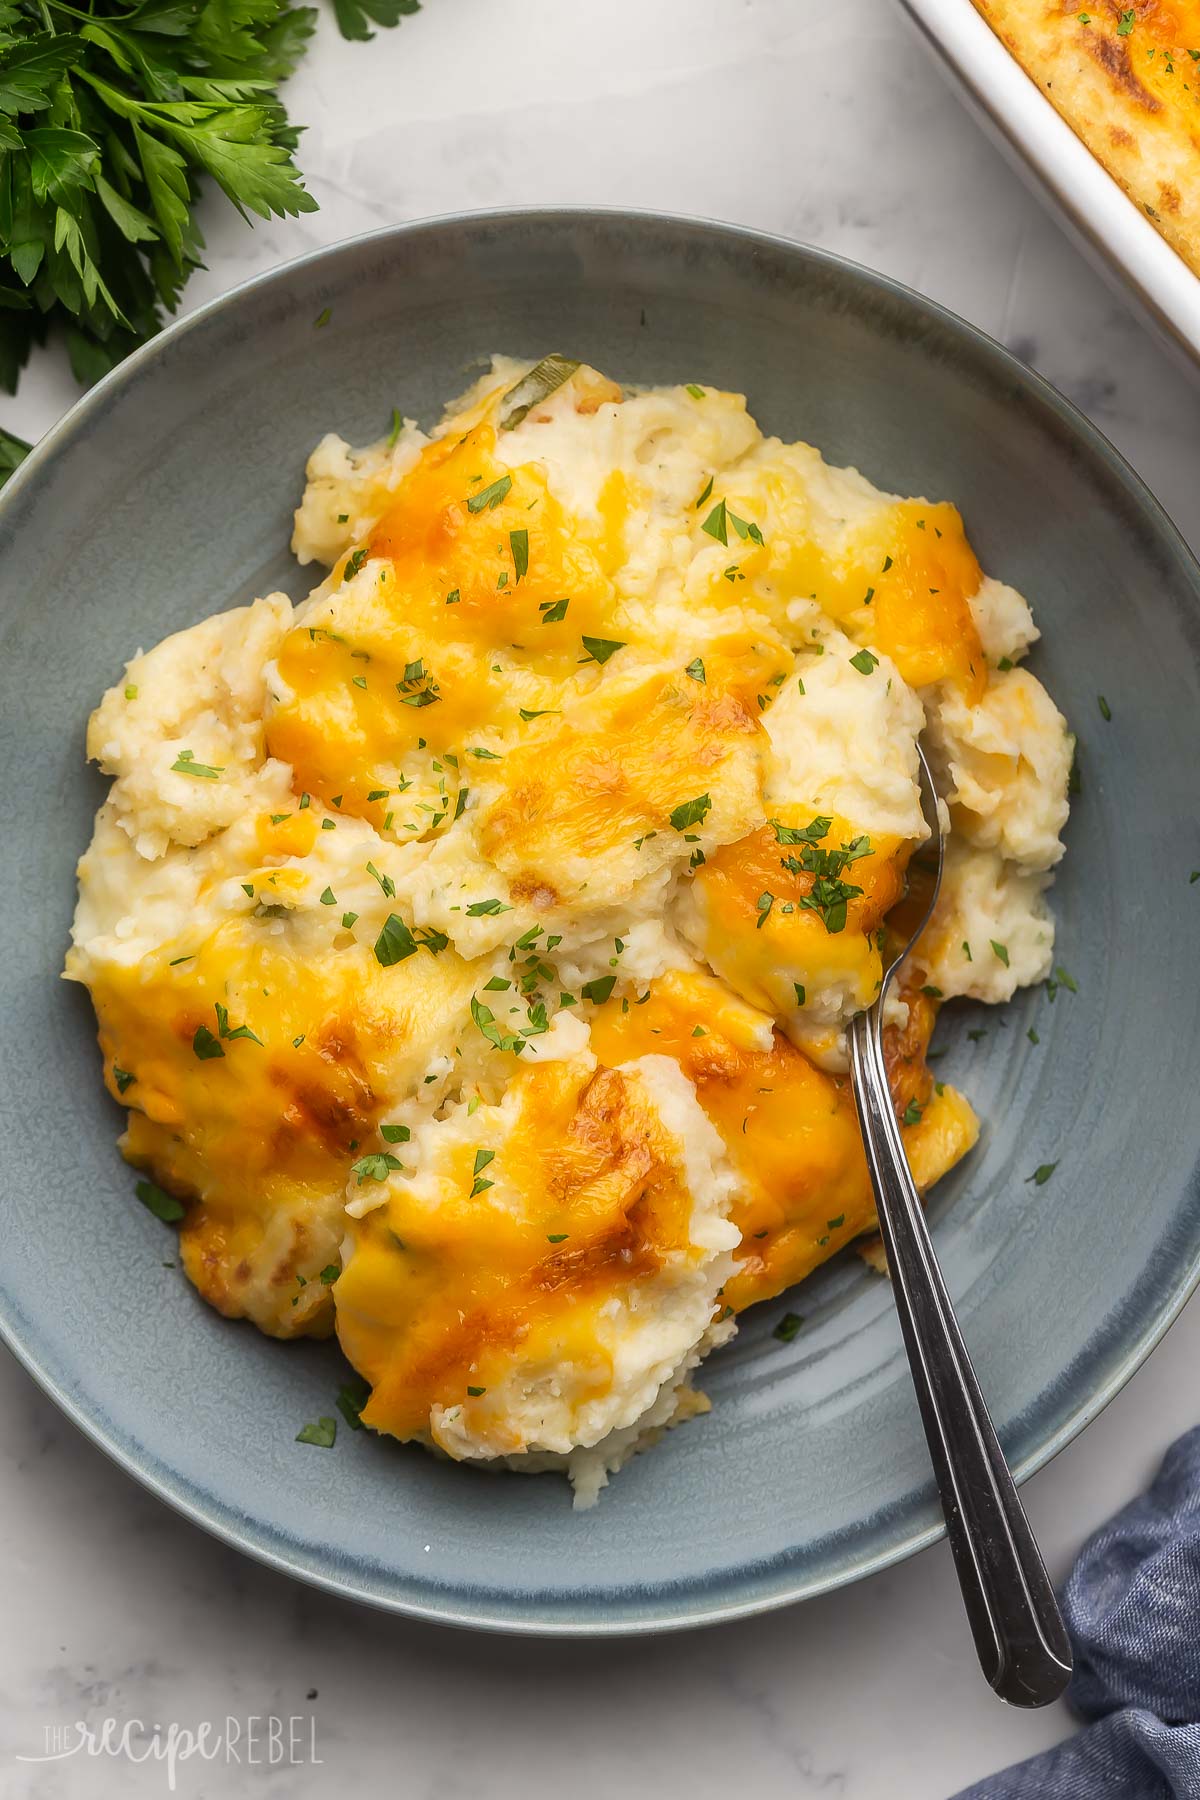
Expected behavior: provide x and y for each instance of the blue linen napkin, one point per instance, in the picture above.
(1132, 1607)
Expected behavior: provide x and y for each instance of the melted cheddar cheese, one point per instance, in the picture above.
(534, 1233)
(790, 1128)
(253, 1080)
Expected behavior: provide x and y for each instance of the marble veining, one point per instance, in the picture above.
(822, 122)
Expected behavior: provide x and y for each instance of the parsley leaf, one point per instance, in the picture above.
(489, 498)
(376, 1166)
(320, 1432)
(717, 523)
(164, 1206)
(114, 116)
(600, 649)
(691, 812)
(395, 942)
(185, 764)
(544, 379)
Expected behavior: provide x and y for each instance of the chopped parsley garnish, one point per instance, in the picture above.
(352, 1396)
(820, 827)
(395, 1134)
(556, 1237)
(395, 942)
(519, 545)
(717, 522)
(1032, 1035)
(1005, 664)
(323, 1431)
(354, 563)
(205, 1045)
(397, 424)
(185, 764)
(600, 649)
(1067, 981)
(829, 894)
(746, 528)
(485, 1019)
(697, 393)
(478, 1184)
(1000, 950)
(323, 317)
(164, 1206)
(1042, 1173)
(704, 493)
(224, 1030)
(488, 498)
(123, 1078)
(330, 1273)
(476, 1391)
(479, 909)
(529, 713)
(1105, 708)
(385, 881)
(787, 1327)
(721, 518)
(553, 611)
(912, 1114)
(801, 996)
(544, 379)
(418, 688)
(329, 898)
(349, 919)
(691, 812)
(696, 670)
(763, 906)
(377, 1165)
(1126, 22)
(864, 661)
(598, 991)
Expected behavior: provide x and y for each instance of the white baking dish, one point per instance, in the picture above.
(1026, 126)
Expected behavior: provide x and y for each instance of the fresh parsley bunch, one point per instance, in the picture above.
(111, 116)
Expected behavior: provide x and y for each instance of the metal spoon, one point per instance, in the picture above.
(1019, 1634)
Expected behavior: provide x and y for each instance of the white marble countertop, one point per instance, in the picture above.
(826, 122)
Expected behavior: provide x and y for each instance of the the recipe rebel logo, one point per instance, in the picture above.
(269, 1740)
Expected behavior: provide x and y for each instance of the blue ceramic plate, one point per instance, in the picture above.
(166, 494)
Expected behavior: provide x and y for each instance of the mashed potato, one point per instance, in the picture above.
(473, 945)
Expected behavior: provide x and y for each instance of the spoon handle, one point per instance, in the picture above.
(1019, 1634)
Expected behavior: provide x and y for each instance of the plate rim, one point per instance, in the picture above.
(660, 1616)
